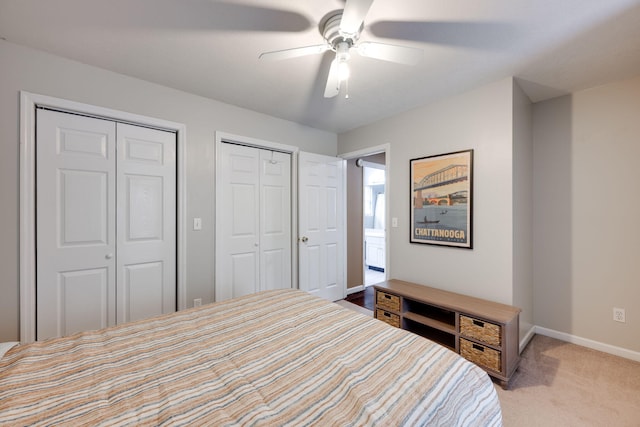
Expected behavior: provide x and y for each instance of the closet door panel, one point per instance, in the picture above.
(275, 220)
(142, 296)
(146, 198)
(75, 223)
(82, 295)
(238, 272)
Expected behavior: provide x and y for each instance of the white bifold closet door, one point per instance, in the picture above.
(254, 252)
(105, 223)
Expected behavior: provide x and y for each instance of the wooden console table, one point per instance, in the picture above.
(481, 331)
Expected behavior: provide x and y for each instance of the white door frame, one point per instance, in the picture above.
(28, 104)
(386, 149)
(224, 137)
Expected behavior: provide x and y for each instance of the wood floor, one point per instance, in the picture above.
(362, 298)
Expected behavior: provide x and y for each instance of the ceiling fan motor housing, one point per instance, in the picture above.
(332, 34)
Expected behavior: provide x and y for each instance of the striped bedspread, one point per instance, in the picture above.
(273, 358)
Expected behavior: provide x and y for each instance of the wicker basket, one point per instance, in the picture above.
(390, 318)
(387, 301)
(480, 330)
(480, 355)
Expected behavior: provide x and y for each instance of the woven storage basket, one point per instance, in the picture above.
(480, 355)
(480, 330)
(387, 301)
(390, 318)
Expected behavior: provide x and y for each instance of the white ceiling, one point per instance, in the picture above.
(211, 48)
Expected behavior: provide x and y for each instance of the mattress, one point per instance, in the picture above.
(272, 358)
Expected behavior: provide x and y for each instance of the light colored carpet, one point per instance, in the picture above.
(562, 384)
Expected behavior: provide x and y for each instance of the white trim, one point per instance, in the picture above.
(343, 226)
(222, 137)
(372, 165)
(28, 103)
(585, 342)
(527, 338)
(386, 149)
(355, 289)
(27, 219)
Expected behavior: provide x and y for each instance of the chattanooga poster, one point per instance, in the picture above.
(441, 199)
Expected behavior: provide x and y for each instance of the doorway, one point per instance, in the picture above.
(373, 219)
(367, 217)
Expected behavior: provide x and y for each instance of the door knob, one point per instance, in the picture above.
(304, 239)
(108, 256)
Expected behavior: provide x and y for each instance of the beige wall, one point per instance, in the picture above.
(41, 73)
(479, 119)
(586, 233)
(355, 237)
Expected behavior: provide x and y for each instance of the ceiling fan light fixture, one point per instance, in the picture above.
(342, 56)
(342, 51)
(343, 71)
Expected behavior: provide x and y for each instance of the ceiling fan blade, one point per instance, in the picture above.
(392, 53)
(200, 15)
(230, 15)
(452, 33)
(333, 81)
(353, 15)
(295, 52)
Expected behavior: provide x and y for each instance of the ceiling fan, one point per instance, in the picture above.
(341, 32)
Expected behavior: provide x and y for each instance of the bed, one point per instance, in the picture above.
(272, 358)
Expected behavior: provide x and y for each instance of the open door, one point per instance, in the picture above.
(321, 227)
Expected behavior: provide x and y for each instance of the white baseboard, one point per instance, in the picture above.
(585, 342)
(527, 337)
(355, 289)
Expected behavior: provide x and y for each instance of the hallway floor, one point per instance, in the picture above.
(362, 298)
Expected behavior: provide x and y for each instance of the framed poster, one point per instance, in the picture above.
(441, 199)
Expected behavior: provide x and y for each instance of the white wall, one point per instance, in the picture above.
(586, 213)
(480, 119)
(42, 73)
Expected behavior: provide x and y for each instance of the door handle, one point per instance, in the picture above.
(109, 256)
(304, 239)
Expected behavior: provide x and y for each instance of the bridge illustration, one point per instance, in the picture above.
(454, 177)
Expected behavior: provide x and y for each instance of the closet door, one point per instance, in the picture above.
(275, 220)
(255, 221)
(146, 236)
(238, 263)
(105, 223)
(75, 225)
